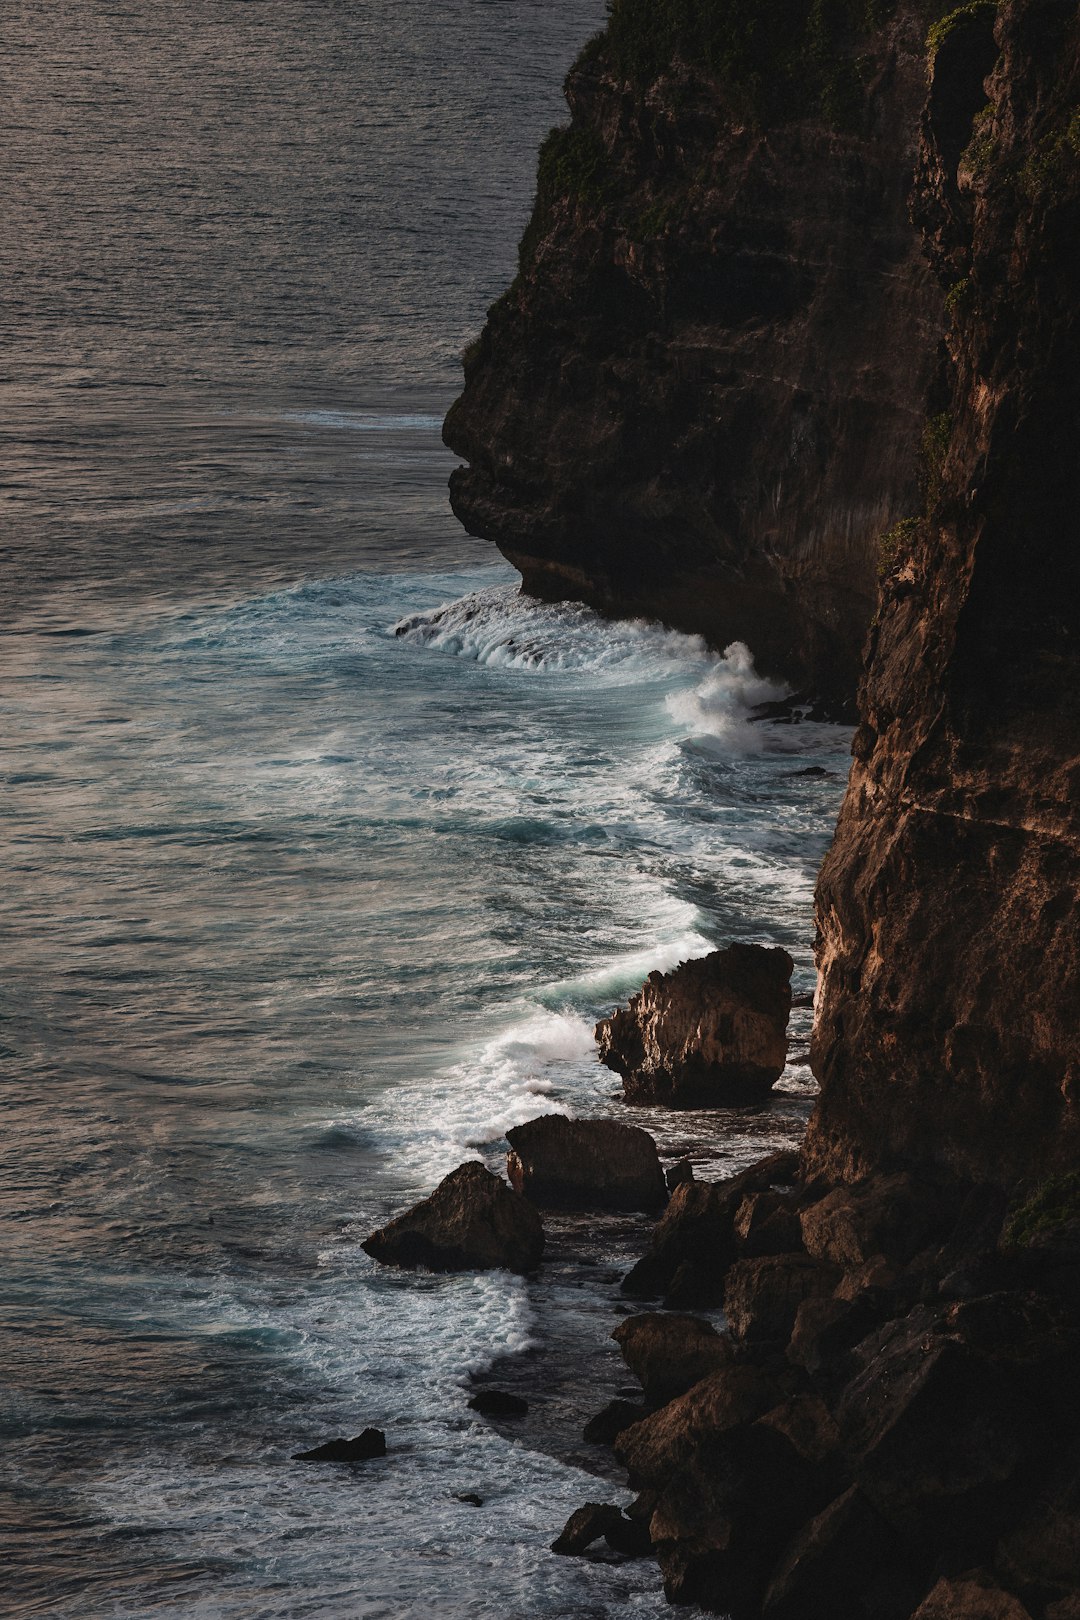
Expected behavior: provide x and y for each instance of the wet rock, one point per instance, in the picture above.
(585, 1164)
(472, 1222)
(586, 1525)
(762, 1297)
(975, 1597)
(361, 1448)
(470, 1497)
(498, 1403)
(712, 1031)
(669, 1353)
(605, 1428)
(698, 1230)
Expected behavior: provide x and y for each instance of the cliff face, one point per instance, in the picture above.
(703, 397)
(948, 1029)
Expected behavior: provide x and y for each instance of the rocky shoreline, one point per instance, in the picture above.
(885, 1423)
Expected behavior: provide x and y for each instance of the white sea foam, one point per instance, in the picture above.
(720, 705)
(502, 627)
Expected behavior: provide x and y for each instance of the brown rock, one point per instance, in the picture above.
(655, 1449)
(762, 1297)
(710, 1032)
(780, 434)
(471, 1222)
(562, 1163)
(936, 1435)
(843, 1562)
(584, 1526)
(698, 1230)
(894, 1216)
(724, 1519)
(948, 907)
(605, 1428)
(669, 1353)
(766, 1223)
(970, 1598)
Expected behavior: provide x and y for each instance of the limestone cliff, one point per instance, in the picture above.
(702, 399)
(949, 909)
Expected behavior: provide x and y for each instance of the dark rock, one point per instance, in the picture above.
(471, 1498)
(471, 1222)
(948, 907)
(723, 1521)
(669, 1353)
(827, 1329)
(970, 1598)
(762, 1297)
(498, 1403)
(711, 270)
(585, 1164)
(630, 1537)
(692, 1288)
(361, 1448)
(605, 1428)
(697, 1229)
(665, 1442)
(676, 1174)
(712, 1031)
(766, 1223)
(936, 1434)
(891, 1215)
(586, 1525)
(844, 1562)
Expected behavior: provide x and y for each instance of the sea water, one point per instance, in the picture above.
(324, 847)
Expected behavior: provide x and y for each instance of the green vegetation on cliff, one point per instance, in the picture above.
(790, 58)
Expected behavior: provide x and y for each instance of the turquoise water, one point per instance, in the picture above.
(323, 847)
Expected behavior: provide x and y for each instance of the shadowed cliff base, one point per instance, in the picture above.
(704, 397)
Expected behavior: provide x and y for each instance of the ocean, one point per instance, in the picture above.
(324, 847)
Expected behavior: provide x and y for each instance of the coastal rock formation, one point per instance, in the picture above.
(949, 906)
(710, 1032)
(361, 1448)
(471, 1222)
(668, 1354)
(565, 1163)
(696, 1238)
(702, 398)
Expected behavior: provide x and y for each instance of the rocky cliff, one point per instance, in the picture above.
(704, 396)
(949, 909)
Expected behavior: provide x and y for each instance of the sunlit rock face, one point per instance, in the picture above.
(949, 907)
(702, 398)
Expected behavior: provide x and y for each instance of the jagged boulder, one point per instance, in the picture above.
(762, 1297)
(668, 1353)
(712, 1031)
(563, 1163)
(472, 1222)
(972, 1597)
(361, 1448)
(697, 1232)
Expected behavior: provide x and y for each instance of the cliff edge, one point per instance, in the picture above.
(949, 907)
(704, 396)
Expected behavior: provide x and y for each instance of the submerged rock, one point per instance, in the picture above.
(498, 1403)
(585, 1164)
(605, 1428)
(361, 1448)
(712, 1031)
(472, 1222)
